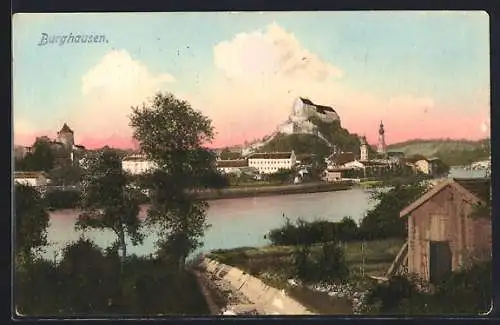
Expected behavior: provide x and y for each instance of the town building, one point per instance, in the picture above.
(341, 158)
(443, 234)
(269, 163)
(427, 166)
(333, 174)
(381, 146)
(395, 155)
(35, 178)
(363, 149)
(231, 166)
(137, 164)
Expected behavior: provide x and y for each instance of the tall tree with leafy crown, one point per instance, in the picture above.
(31, 220)
(172, 134)
(108, 202)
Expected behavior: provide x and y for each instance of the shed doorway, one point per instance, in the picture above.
(440, 259)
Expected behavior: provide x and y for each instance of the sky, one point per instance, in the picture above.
(424, 74)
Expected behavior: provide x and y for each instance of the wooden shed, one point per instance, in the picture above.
(443, 235)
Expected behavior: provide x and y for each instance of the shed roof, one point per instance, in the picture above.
(478, 188)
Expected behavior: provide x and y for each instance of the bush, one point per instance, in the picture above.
(384, 298)
(57, 199)
(87, 282)
(383, 221)
(319, 231)
(327, 267)
(467, 291)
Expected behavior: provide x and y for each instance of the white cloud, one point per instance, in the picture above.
(109, 89)
(271, 53)
(260, 74)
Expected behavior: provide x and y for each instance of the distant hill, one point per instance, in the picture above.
(452, 152)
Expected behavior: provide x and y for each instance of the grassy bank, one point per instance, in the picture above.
(273, 265)
(378, 256)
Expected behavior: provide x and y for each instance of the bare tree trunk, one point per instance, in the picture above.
(181, 263)
(123, 247)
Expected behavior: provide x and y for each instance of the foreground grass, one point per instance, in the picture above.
(273, 265)
(374, 256)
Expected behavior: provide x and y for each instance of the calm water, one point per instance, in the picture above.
(235, 222)
(239, 222)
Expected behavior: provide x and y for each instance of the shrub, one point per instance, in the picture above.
(327, 267)
(319, 231)
(467, 291)
(57, 199)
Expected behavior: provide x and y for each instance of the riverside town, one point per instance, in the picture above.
(252, 164)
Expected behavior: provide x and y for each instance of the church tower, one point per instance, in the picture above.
(381, 148)
(363, 148)
(66, 137)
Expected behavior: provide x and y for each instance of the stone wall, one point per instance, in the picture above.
(265, 299)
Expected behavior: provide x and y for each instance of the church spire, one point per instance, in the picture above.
(381, 128)
(381, 148)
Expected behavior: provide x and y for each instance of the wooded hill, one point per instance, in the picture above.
(452, 152)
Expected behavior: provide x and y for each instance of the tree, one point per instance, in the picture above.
(107, 202)
(383, 221)
(88, 277)
(41, 158)
(31, 222)
(282, 176)
(66, 175)
(172, 134)
(226, 154)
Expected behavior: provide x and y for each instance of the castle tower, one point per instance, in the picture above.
(363, 148)
(381, 148)
(66, 137)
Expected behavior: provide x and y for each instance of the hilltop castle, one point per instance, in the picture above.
(299, 120)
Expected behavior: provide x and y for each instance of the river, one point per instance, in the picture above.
(238, 222)
(234, 222)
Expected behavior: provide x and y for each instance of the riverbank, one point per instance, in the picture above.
(273, 265)
(270, 190)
